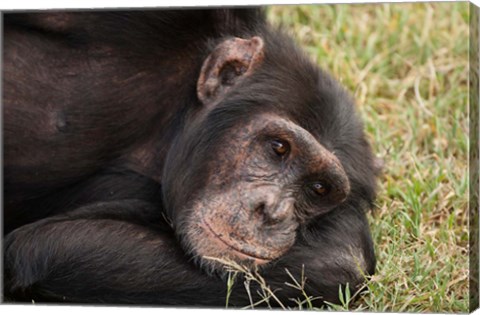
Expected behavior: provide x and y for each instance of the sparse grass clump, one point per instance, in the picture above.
(407, 66)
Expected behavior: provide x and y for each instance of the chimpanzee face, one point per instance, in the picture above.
(266, 179)
(252, 184)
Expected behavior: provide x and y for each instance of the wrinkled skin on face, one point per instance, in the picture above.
(262, 184)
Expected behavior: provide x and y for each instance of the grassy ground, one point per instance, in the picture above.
(407, 65)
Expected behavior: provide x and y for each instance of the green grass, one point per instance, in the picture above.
(407, 66)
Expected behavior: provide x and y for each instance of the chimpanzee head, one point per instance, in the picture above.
(274, 144)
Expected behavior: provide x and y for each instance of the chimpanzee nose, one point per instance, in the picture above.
(274, 209)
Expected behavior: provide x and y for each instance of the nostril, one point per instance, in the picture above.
(275, 213)
(265, 214)
(259, 213)
(260, 208)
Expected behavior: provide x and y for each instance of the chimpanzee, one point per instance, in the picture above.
(142, 148)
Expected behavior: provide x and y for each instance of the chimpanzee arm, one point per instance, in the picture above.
(119, 252)
(104, 254)
(336, 250)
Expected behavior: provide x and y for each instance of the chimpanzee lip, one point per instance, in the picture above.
(262, 260)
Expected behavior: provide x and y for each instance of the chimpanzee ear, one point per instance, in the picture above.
(227, 65)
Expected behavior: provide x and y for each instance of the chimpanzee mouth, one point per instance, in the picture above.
(238, 252)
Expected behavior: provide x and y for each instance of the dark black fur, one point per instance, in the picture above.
(85, 224)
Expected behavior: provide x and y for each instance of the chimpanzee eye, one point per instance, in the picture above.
(280, 147)
(320, 188)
